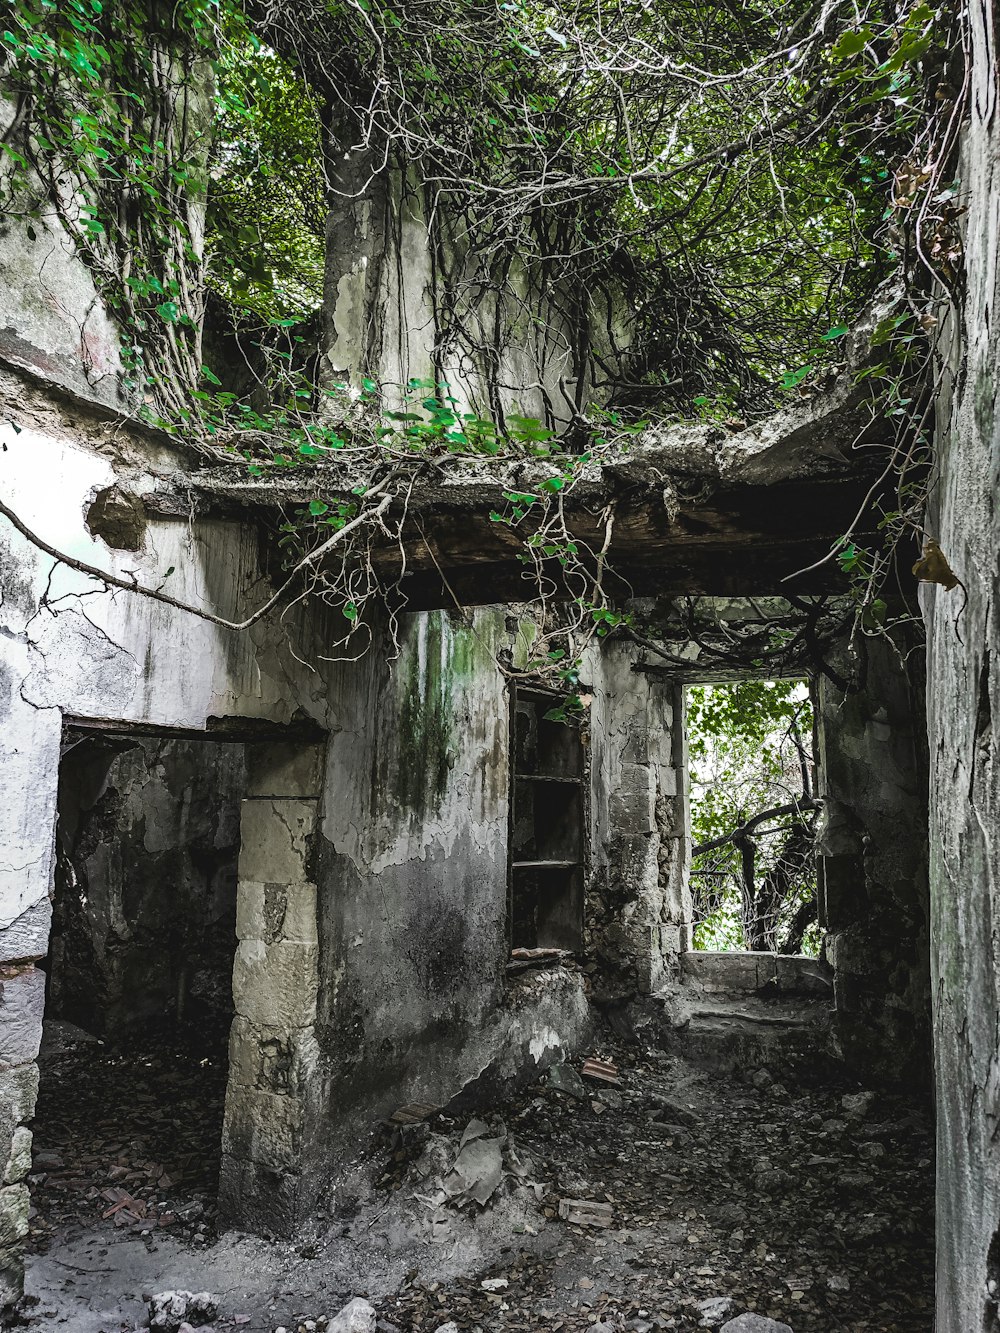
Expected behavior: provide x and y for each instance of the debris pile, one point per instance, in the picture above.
(629, 1193)
(127, 1136)
(174, 1311)
(478, 1168)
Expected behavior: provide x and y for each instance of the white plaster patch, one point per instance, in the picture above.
(546, 1040)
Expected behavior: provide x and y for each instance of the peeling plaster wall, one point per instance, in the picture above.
(69, 647)
(636, 917)
(404, 303)
(964, 735)
(412, 862)
(376, 934)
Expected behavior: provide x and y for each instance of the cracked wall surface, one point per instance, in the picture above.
(370, 969)
(636, 910)
(963, 690)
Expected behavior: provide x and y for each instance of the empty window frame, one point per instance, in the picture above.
(546, 881)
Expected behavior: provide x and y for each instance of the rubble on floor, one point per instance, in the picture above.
(128, 1135)
(174, 1311)
(676, 1200)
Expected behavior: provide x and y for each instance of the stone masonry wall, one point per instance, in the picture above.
(963, 692)
(274, 1098)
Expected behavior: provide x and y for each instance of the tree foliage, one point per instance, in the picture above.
(706, 195)
(753, 875)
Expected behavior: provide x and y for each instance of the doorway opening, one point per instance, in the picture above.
(753, 812)
(139, 1000)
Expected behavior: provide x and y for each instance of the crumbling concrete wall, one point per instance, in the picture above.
(69, 647)
(407, 297)
(963, 692)
(636, 913)
(372, 894)
(412, 862)
(144, 926)
(872, 865)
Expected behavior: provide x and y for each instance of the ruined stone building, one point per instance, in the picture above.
(335, 858)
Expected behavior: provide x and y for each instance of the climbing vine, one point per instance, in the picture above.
(706, 216)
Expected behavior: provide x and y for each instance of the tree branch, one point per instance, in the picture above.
(130, 584)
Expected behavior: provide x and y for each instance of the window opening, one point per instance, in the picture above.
(547, 823)
(139, 1005)
(753, 811)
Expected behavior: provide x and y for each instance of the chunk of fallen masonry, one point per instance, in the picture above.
(358, 1316)
(715, 1309)
(478, 1168)
(170, 1310)
(857, 1104)
(564, 1078)
(755, 1323)
(585, 1213)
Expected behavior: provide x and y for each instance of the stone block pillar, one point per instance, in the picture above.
(273, 1097)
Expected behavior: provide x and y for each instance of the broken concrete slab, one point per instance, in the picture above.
(171, 1310)
(585, 1212)
(477, 1171)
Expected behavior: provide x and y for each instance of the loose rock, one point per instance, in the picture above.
(170, 1310)
(356, 1317)
(715, 1310)
(755, 1323)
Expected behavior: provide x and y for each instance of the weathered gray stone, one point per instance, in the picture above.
(633, 804)
(564, 1078)
(755, 1323)
(27, 936)
(276, 837)
(18, 1090)
(715, 1309)
(271, 1059)
(263, 1127)
(276, 985)
(14, 1206)
(19, 1162)
(171, 1310)
(358, 1316)
(22, 1004)
(272, 912)
(857, 1104)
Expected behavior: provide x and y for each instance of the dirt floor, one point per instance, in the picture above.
(788, 1201)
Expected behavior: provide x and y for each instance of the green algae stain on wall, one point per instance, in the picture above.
(443, 659)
